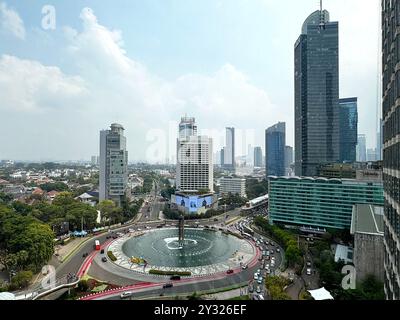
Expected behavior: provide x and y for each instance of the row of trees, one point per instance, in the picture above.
(233, 200)
(331, 276)
(26, 244)
(293, 254)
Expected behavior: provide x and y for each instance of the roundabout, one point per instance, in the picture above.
(202, 252)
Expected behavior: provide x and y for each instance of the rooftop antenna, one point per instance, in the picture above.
(321, 14)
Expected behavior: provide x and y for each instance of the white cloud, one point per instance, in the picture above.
(11, 21)
(112, 87)
(29, 86)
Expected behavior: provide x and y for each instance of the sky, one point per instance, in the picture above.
(69, 69)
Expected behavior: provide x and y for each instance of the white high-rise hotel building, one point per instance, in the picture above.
(194, 170)
(113, 164)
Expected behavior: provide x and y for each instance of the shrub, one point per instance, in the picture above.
(170, 273)
(22, 279)
(111, 256)
(83, 286)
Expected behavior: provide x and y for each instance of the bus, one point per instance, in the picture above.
(97, 245)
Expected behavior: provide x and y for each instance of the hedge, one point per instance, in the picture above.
(111, 256)
(170, 273)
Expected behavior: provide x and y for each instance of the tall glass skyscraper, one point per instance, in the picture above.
(391, 145)
(229, 158)
(275, 142)
(258, 157)
(348, 129)
(316, 94)
(362, 148)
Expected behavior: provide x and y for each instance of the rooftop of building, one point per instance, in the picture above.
(326, 180)
(367, 219)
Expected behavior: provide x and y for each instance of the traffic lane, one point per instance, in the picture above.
(188, 288)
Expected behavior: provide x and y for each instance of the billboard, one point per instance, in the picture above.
(194, 203)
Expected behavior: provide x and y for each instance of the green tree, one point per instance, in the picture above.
(22, 279)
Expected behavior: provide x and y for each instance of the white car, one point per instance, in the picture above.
(256, 276)
(308, 271)
(258, 289)
(268, 271)
(244, 267)
(126, 294)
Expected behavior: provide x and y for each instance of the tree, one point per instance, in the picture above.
(22, 279)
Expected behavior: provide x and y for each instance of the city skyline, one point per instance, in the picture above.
(204, 87)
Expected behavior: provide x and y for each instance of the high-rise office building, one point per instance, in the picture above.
(362, 148)
(194, 171)
(229, 158)
(288, 160)
(258, 157)
(348, 130)
(316, 94)
(391, 146)
(113, 164)
(379, 139)
(222, 155)
(371, 155)
(275, 142)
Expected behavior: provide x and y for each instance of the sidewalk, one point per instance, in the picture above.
(226, 295)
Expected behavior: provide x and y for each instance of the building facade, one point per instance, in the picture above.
(288, 160)
(232, 185)
(367, 229)
(113, 165)
(275, 142)
(319, 202)
(316, 94)
(391, 145)
(362, 148)
(194, 170)
(258, 157)
(348, 130)
(229, 157)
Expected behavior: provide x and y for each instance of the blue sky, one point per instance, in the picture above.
(145, 63)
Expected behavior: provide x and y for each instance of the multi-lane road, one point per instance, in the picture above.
(149, 217)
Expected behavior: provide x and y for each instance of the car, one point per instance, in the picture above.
(272, 252)
(258, 289)
(215, 219)
(308, 263)
(251, 289)
(268, 271)
(230, 271)
(260, 297)
(175, 278)
(308, 271)
(244, 267)
(102, 251)
(256, 276)
(139, 229)
(259, 280)
(85, 255)
(167, 285)
(278, 250)
(104, 259)
(126, 294)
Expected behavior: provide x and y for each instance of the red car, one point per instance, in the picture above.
(229, 271)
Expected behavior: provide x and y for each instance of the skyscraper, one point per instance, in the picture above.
(194, 170)
(316, 94)
(288, 159)
(113, 164)
(275, 142)
(229, 158)
(348, 130)
(258, 157)
(362, 148)
(379, 139)
(391, 146)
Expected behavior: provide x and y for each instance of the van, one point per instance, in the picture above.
(167, 285)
